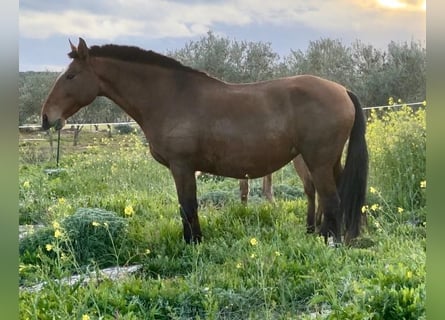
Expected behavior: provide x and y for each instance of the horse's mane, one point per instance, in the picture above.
(136, 54)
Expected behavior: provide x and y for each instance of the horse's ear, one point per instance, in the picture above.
(82, 49)
(73, 47)
(73, 53)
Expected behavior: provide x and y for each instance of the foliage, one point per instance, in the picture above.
(405, 68)
(33, 88)
(90, 235)
(326, 58)
(397, 144)
(124, 128)
(95, 235)
(230, 60)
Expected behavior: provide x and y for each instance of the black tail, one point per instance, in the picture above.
(353, 183)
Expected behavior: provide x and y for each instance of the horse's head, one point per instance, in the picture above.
(75, 88)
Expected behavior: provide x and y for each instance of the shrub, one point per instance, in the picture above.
(90, 235)
(95, 235)
(124, 128)
(29, 245)
(397, 146)
(217, 198)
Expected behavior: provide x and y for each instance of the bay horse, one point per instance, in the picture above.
(195, 122)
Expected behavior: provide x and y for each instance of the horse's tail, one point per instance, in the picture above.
(353, 183)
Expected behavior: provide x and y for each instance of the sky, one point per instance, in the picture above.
(165, 25)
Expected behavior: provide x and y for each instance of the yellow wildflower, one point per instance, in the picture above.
(409, 274)
(95, 224)
(424, 103)
(128, 210)
(374, 207)
(48, 247)
(253, 255)
(26, 184)
(253, 242)
(364, 209)
(423, 184)
(62, 200)
(277, 253)
(85, 317)
(239, 265)
(399, 210)
(57, 233)
(147, 251)
(56, 225)
(372, 190)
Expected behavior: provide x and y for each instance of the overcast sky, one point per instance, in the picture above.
(161, 25)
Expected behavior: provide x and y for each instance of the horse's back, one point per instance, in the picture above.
(304, 94)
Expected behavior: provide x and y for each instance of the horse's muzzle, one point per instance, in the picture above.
(45, 123)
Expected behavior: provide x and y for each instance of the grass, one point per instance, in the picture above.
(255, 262)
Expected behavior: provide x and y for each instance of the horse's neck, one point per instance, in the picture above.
(151, 94)
(131, 86)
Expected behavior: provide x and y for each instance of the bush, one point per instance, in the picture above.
(95, 235)
(29, 246)
(124, 128)
(397, 146)
(90, 235)
(217, 198)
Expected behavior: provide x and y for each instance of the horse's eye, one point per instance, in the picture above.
(70, 76)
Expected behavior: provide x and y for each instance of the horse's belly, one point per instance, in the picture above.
(243, 165)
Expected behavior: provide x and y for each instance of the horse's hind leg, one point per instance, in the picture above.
(244, 190)
(267, 187)
(309, 189)
(185, 182)
(329, 202)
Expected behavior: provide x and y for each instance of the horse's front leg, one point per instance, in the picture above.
(185, 182)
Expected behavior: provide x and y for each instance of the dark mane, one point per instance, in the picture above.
(136, 54)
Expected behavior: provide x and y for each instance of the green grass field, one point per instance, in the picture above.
(255, 262)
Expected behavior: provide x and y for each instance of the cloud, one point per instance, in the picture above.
(151, 19)
(157, 19)
(42, 25)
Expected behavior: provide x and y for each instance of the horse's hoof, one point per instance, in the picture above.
(310, 229)
(193, 240)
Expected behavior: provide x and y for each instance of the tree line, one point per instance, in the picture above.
(399, 71)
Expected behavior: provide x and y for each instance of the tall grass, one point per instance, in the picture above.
(255, 262)
(397, 143)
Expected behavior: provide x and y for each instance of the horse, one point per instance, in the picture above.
(195, 122)
(313, 218)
